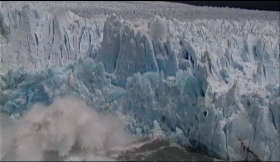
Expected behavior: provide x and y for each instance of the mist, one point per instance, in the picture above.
(60, 126)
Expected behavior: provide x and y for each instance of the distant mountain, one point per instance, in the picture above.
(255, 5)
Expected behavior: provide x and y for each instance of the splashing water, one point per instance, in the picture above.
(68, 122)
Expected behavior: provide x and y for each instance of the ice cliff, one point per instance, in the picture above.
(208, 84)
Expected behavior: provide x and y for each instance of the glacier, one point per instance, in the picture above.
(210, 84)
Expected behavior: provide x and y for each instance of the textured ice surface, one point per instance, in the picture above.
(211, 84)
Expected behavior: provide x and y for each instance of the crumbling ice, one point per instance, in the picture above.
(208, 84)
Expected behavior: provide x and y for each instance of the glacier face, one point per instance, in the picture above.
(208, 84)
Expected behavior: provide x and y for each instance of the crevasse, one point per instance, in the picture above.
(208, 84)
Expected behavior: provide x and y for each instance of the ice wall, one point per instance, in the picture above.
(209, 84)
(36, 40)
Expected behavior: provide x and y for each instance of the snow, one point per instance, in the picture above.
(212, 84)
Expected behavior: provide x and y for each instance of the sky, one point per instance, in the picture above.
(256, 5)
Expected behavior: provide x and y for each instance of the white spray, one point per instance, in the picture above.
(65, 123)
